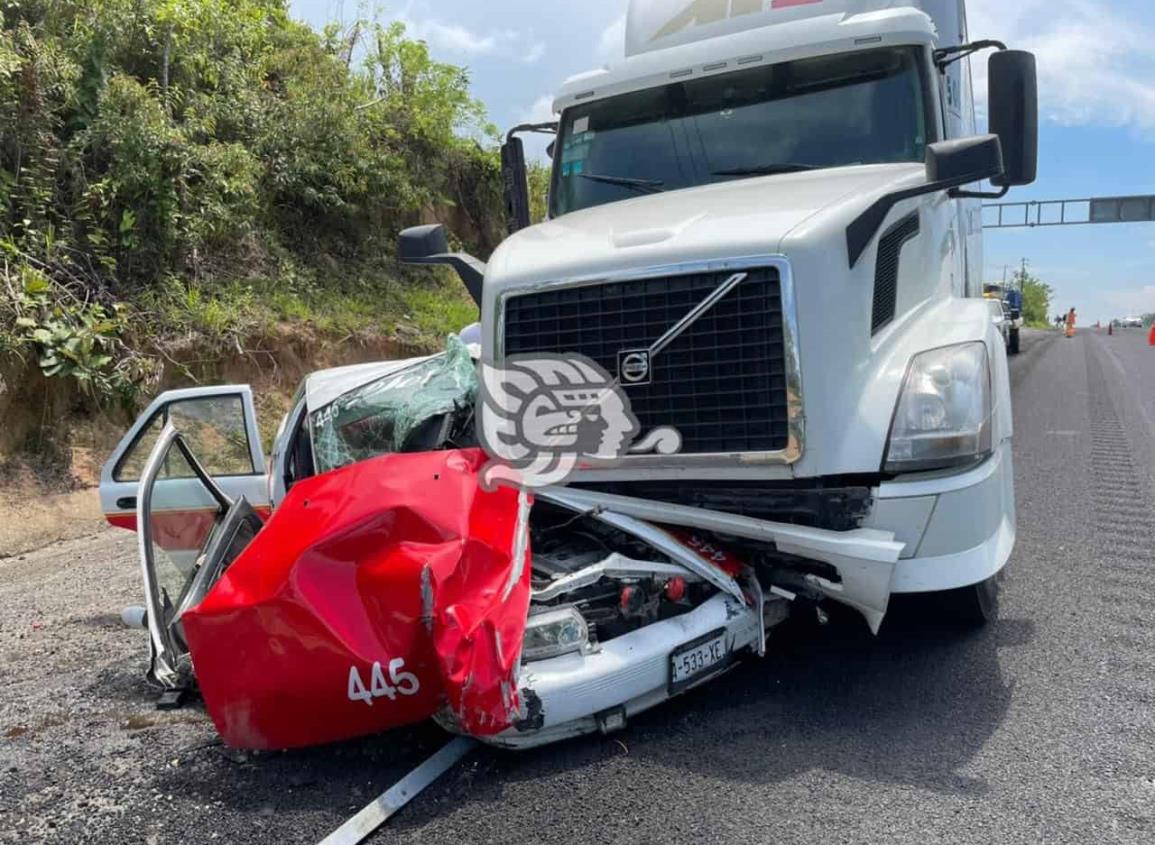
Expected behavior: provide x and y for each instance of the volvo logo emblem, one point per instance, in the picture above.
(634, 366)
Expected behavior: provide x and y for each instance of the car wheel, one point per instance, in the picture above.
(1013, 344)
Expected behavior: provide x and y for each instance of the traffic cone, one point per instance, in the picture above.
(1151, 336)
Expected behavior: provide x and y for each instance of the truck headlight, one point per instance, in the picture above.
(554, 632)
(943, 416)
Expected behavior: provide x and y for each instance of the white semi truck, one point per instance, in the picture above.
(764, 233)
(851, 383)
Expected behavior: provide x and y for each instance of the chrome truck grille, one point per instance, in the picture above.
(727, 382)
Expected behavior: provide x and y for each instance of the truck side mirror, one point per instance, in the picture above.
(1013, 103)
(949, 165)
(964, 160)
(515, 184)
(419, 244)
(429, 245)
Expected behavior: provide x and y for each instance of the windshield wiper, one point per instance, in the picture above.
(645, 186)
(764, 169)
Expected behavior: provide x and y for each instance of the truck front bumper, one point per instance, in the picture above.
(958, 529)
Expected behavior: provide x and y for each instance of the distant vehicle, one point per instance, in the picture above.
(1001, 316)
(1011, 301)
(1131, 322)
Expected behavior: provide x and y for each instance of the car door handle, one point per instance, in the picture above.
(126, 503)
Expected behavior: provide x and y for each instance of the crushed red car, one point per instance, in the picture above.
(367, 580)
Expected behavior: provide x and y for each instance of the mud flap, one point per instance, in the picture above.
(373, 595)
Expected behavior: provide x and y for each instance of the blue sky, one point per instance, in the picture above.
(1097, 103)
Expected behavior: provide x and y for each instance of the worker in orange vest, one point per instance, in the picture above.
(1071, 323)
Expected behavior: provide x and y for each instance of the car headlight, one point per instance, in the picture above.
(943, 416)
(554, 632)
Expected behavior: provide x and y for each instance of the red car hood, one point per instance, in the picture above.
(374, 595)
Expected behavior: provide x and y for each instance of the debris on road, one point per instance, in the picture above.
(378, 811)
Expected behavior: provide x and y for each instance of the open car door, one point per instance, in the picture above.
(174, 580)
(219, 424)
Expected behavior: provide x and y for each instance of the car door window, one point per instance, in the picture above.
(184, 550)
(213, 426)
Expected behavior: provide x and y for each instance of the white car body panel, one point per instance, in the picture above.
(118, 498)
(323, 386)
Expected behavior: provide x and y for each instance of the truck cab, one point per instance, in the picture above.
(796, 187)
(743, 369)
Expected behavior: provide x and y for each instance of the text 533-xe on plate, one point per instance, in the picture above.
(697, 659)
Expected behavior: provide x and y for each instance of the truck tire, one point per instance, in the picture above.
(1013, 342)
(973, 606)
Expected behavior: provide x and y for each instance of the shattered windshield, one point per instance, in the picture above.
(423, 407)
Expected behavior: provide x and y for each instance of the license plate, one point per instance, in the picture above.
(702, 657)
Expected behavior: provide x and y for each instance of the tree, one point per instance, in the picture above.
(189, 151)
(1036, 299)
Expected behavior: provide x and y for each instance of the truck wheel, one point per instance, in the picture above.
(976, 605)
(1013, 345)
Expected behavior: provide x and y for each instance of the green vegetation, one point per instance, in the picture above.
(209, 168)
(1036, 299)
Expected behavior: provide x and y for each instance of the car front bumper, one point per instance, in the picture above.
(574, 694)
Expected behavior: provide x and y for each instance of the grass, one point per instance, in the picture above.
(418, 308)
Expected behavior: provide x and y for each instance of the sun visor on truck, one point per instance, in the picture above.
(374, 596)
(658, 24)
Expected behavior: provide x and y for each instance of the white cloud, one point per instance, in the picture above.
(540, 112)
(1095, 64)
(612, 42)
(454, 38)
(1133, 300)
(461, 41)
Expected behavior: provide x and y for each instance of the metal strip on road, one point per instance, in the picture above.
(377, 812)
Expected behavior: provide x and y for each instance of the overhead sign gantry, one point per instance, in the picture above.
(1070, 212)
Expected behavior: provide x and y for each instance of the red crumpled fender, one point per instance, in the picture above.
(374, 595)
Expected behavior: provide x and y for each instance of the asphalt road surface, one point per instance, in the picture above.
(1040, 728)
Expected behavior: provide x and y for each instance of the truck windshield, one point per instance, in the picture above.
(866, 107)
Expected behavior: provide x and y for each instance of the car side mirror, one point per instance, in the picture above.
(1013, 104)
(429, 245)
